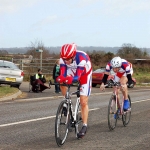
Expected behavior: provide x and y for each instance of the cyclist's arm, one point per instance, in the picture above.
(78, 73)
(104, 80)
(105, 77)
(129, 77)
(63, 70)
(106, 74)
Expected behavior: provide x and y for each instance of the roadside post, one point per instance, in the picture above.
(40, 50)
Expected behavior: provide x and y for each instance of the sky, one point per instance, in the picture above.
(106, 23)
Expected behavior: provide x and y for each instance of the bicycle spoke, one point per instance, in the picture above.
(61, 125)
(112, 114)
(127, 114)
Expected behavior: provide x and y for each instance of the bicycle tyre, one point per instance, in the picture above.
(61, 124)
(112, 111)
(127, 114)
(79, 122)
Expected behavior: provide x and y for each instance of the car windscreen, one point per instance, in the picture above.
(10, 65)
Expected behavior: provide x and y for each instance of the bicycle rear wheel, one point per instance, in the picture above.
(112, 113)
(62, 123)
(127, 114)
(79, 122)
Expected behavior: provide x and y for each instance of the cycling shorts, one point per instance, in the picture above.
(85, 89)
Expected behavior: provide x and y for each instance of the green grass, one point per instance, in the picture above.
(6, 90)
(142, 77)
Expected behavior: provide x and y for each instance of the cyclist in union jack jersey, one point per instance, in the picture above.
(123, 74)
(75, 66)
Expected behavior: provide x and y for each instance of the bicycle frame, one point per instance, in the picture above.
(68, 101)
(117, 99)
(115, 107)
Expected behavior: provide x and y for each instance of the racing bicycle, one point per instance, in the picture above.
(67, 118)
(115, 107)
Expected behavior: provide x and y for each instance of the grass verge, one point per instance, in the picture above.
(6, 90)
(142, 77)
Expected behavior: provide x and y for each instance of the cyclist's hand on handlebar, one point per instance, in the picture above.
(102, 87)
(68, 80)
(60, 79)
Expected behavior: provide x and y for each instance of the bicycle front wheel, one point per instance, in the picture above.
(127, 114)
(112, 113)
(62, 123)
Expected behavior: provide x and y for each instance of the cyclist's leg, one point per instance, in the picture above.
(117, 79)
(85, 91)
(63, 90)
(123, 81)
(84, 115)
(84, 108)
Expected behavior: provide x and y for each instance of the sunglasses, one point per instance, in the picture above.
(67, 59)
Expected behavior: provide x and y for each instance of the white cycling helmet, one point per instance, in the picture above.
(116, 62)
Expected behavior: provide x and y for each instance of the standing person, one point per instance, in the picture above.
(56, 73)
(38, 82)
(75, 65)
(123, 74)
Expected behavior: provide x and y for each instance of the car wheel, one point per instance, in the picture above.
(94, 84)
(17, 86)
(131, 86)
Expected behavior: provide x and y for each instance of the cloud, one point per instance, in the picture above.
(53, 19)
(129, 6)
(45, 21)
(10, 6)
(83, 3)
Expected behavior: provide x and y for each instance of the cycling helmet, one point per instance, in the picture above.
(116, 62)
(68, 51)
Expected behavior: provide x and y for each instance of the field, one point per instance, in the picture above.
(142, 77)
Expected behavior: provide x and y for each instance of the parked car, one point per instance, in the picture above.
(98, 74)
(10, 74)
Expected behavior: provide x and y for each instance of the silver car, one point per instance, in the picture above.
(10, 74)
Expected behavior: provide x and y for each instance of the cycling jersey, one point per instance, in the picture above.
(126, 68)
(80, 67)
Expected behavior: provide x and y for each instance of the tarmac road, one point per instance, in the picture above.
(27, 123)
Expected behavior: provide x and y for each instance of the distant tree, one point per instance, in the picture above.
(38, 45)
(97, 57)
(145, 53)
(129, 51)
(108, 56)
(3, 52)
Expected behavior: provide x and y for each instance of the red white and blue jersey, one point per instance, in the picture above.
(80, 67)
(126, 67)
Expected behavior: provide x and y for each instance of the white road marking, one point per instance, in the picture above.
(141, 101)
(33, 120)
(44, 118)
(26, 121)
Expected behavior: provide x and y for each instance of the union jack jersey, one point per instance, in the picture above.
(79, 69)
(125, 68)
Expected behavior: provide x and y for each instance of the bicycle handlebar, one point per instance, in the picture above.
(113, 83)
(68, 85)
(62, 84)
